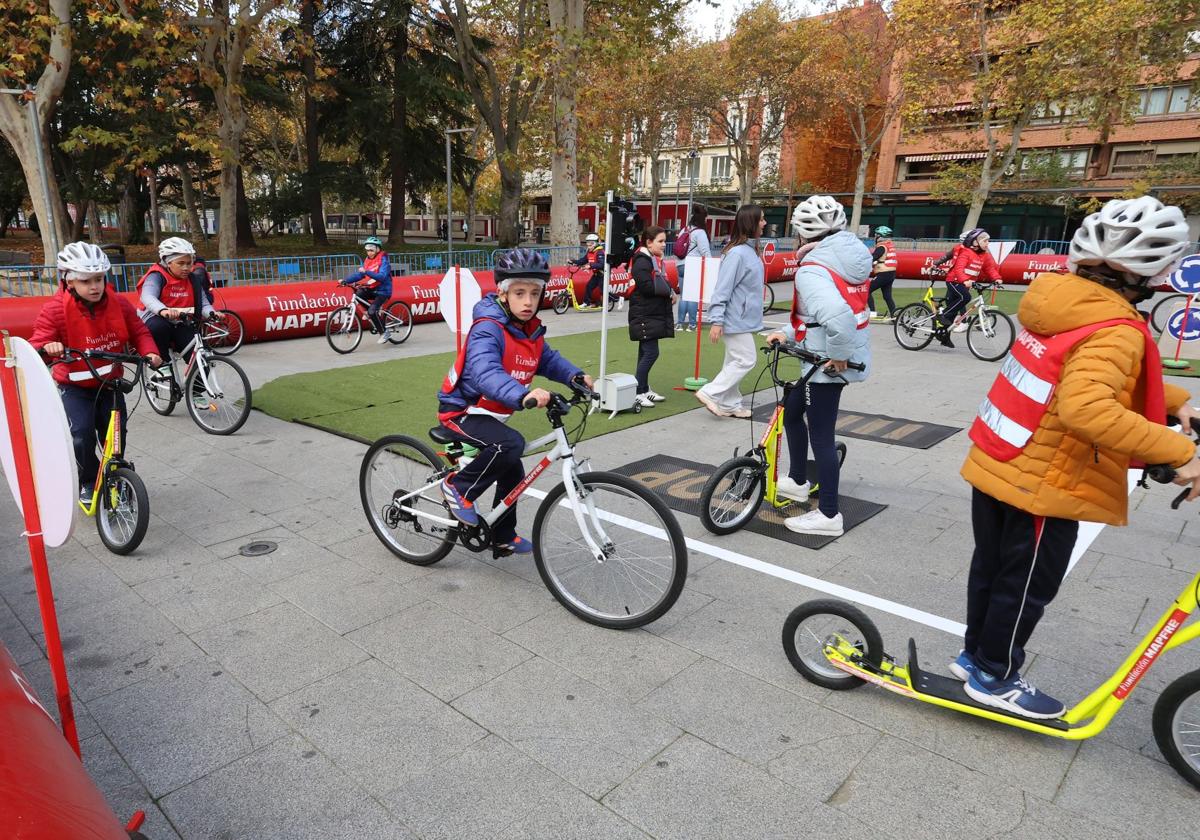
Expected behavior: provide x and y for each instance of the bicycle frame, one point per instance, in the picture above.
(1087, 718)
(562, 451)
(114, 451)
(199, 350)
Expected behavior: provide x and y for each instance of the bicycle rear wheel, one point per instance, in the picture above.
(222, 406)
(159, 386)
(732, 495)
(399, 322)
(990, 334)
(123, 513)
(768, 298)
(914, 327)
(343, 330)
(225, 335)
(393, 467)
(645, 557)
(1161, 313)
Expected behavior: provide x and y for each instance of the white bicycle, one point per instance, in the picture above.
(215, 389)
(606, 547)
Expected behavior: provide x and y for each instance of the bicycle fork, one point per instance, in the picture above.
(578, 502)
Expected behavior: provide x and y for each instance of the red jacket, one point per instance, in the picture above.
(51, 326)
(969, 264)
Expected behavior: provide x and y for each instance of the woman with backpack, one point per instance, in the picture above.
(693, 239)
(736, 313)
(649, 308)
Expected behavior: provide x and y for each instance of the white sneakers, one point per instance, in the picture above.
(654, 395)
(711, 404)
(644, 400)
(789, 487)
(383, 339)
(961, 327)
(816, 523)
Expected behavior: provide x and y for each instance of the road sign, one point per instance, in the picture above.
(700, 278)
(457, 295)
(768, 254)
(1000, 250)
(1184, 324)
(1186, 278)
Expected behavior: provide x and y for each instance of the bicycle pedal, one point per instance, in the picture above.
(499, 553)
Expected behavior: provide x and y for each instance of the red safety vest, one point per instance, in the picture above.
(176, 292)
(372, 264)
(520, 360)
(888, 261)
(1019, 397)
(976, 263)
(104, 330)
(856, 296)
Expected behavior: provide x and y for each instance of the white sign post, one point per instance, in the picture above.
(457, 295)
(699, 278)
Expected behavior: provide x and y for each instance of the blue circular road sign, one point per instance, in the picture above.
(1186, 278)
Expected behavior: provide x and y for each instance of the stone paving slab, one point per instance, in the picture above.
(331, 690)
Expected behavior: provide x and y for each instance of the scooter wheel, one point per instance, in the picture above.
(811, 624)
(1175, 728)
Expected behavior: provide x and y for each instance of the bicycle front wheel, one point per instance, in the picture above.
(399, 322)
(394, 467)
(1161, 313)
(562, 303)
(990, 334)
(768, 298)
(124, 511)
(914, 327)
(159, 387)
(645, 557)
(343, 330)
(219, 400)
(732, 495)
(224, 336)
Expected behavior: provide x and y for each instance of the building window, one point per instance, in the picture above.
(1056, 113)
(1166, 99)
(670, 131)
(638, 175)
(700, 128)
(1071, 161)
(722, 170)
(689, 171)
(664, 171)
(736, 118)
(1131, 160)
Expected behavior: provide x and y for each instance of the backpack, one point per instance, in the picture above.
(680, 248)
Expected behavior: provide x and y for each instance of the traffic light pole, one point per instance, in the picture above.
(608, 232)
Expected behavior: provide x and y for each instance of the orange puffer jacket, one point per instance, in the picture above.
(1076, 464)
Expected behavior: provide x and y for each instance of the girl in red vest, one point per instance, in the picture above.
(1078, 398)
(490, 379)
(167, 294)
(83, 316)
(972, 261)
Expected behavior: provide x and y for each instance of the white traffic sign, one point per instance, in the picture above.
(700, 278)
(1000, 249)
(48, 436)
(457, 295)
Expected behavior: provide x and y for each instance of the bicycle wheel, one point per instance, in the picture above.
(768, 298)
(613, 300)
(1161, 313)
(914, 327)
(221, 406)
(1177, 726)
(224, 336)
(398, 320)
(990, 334)
(813, 624)
(641, 574)
(124, 511)
(394, 466)
(343, 330)
(732, 495)
(158, 387)
(562, 302)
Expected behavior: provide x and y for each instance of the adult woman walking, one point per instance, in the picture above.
(650, 316)
(698, 245)
(736, 313)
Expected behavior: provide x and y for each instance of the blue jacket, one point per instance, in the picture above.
(737, 300)
(838, 336)
(483, 371)
(383, 277)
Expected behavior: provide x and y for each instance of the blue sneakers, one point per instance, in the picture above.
(517, 545)
(1013, 695)
(460, 508)
(964, 666)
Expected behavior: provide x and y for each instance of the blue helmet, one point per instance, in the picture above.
(970, 237)
(883, 230)
(373, 240)
(521, 264)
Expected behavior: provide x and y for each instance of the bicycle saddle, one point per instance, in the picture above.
(440, 434)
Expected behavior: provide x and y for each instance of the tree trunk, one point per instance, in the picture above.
(655, 189)
(227, 224)
(860, 187)
(469, 235)
(155, 224)
(398, 142)
(509, 233)
(312, 137)
(189, 202)
(94, 224)
(245, 233)
(566, 22)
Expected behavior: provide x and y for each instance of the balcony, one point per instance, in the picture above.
(720, 180)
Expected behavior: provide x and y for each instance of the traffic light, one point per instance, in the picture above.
(626, 225)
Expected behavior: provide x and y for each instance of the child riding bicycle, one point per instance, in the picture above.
(84, 316)
(593, 259)
(373, 283)
(1080, 396)
(167, 294)
(972, 260)
(490, 379)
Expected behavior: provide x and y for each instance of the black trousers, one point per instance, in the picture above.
(168, 334)
(883, 282)
(957, 298)
(1019, 562)
(594, 287)
(88, 411)
(498, 462)
(377, 300)
(647, 356)
(810, 416)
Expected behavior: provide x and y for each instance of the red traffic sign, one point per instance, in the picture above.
(768, 253)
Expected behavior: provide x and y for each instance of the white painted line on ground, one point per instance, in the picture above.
(1088, 531)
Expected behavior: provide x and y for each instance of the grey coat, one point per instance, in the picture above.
(737, 301)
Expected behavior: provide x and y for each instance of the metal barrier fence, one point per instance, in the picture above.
(556, 255)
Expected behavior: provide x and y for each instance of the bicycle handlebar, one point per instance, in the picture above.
(791, 348)
(1164, 473)
(72, 354)
(563, 404)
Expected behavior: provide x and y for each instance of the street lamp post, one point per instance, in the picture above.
(692, 155)
(449, 188)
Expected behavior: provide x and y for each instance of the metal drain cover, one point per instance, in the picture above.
(257, 548)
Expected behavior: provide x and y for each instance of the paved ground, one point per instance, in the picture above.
(328, 690)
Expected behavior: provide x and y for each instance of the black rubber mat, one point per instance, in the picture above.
(679, 482)
(881, 428)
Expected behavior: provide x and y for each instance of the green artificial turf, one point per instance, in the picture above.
(400, 397)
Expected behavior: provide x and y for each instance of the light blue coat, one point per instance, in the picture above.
(737, 301)
(838, 336)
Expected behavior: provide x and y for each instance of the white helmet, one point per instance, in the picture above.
(173, 246)
(591, 237)
(83, 258)
(818, 215)
(1141, 236)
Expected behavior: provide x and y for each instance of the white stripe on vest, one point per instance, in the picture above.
(1010, 431)
(81, 375)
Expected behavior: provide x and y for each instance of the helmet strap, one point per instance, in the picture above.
(1119, 281)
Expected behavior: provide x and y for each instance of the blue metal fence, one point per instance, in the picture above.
(556, 255)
